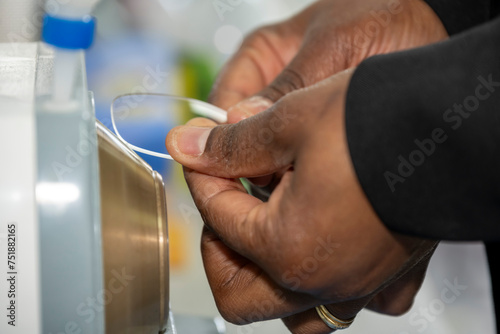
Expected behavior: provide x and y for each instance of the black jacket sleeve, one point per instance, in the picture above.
(460, 15)
(423, 129)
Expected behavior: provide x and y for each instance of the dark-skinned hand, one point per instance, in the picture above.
(327, 37)
(317, 240)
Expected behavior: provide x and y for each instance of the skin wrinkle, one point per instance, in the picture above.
(227, 265)
(207, 198)
(262, 73)
(289, 78)
(263, 35)
(270, 45)
(236, 278)
(266, 233)
(253, 54)
(251, 233)
(273, 92)
(228, 280)
(222, 240)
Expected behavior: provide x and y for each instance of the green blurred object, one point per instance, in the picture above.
(247, 185)
(198, 75)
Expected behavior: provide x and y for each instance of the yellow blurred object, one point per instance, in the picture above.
(193, 77)
(179, 241)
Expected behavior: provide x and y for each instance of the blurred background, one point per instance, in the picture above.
(177, 47)
(180, 45)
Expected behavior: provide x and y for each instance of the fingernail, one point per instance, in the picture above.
(249, 107)
(191, 140)
(257, 102)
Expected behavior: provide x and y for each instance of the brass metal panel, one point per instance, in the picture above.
(134, 238)
(161, 202)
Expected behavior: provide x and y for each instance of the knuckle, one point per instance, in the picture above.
(390, 306)
(233, 307)
(265, 233)
(400, 309)
(225, 292)
(260, 36)
(288, 81)
(344, 287)
(293, 78)
(229, 313)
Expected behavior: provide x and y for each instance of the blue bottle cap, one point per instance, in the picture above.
(70, 34)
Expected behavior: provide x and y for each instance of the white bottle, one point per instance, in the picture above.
(69, 28)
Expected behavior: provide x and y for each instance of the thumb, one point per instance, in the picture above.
(256, 146)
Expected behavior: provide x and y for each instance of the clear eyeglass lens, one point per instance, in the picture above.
(144, 120)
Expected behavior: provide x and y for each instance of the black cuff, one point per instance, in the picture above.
(460, 15)
(423, 129)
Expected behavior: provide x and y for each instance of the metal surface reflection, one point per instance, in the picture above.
(135, 240)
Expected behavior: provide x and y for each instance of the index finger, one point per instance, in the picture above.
(234, 215)
(261, 57)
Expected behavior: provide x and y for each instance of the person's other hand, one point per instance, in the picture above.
(325, 38)
(317, 240)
